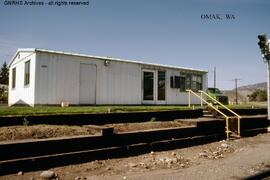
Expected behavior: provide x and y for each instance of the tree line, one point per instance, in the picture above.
(4, 76)
(258, 95)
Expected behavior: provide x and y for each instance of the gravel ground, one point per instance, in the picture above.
(232, 159)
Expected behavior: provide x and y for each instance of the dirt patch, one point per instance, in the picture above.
(42, 132)
(233, 159)
(50, 131)
(125, 127)
(174, 163)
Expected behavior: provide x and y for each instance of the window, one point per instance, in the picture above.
(148, 85)
(171, 82)
(161, 85)
(199, 82)
(190, 81)
(175, 82)
(27, 73)
(13, 78)
(182, 83)
(196, 82)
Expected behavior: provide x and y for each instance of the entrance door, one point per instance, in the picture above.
(154, 86)
(88, 75)
(161, 87)
(148, 86)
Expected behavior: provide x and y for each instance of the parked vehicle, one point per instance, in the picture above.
(218, 95)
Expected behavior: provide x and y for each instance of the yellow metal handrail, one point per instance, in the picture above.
(209, 104)
(222, 105)
(216, 109)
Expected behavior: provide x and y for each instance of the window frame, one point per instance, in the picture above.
(192, 81)
(188, 81)
(13, 78)
(27, 75)
(175, 82)
(182, 83)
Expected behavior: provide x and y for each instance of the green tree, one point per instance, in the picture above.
(4, 74)
(3, 95)
(262, 95)
(258, 95)
(252, 96)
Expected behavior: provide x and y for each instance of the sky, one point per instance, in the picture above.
(172, 32)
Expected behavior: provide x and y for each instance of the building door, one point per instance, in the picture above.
(148, 86)
(154, 86)
(88, 76)
(161, 87)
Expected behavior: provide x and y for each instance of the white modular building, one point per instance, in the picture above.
(46, 77)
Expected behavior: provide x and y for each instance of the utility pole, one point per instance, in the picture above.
(215, 77)
(265, 52)
(236, 90)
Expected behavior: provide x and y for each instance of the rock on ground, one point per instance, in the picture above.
(47, 175)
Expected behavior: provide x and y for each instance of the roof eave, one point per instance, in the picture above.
(20, 50)
(121, 60)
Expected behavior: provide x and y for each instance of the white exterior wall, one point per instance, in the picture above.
(55, 78)
(58, 80)
(22, 94)
(174, 96)
(119, 83)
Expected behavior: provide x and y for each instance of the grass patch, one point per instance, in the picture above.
(247, 106)
(47, 110)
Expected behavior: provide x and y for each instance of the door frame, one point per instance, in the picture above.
(161, 101)
(155, 87)
(95, 93)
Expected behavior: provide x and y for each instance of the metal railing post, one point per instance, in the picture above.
(239, 127)
(227, 131)
(238, 117)
(189, 100)
(201, 99)
(227, 128)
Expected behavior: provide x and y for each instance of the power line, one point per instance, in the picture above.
(215, 74)
(236, 91)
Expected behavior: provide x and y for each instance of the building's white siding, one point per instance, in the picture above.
(22, 94)
(88, 83)
(58, 80)
(58, 77)
(174, 96)
(118, 83)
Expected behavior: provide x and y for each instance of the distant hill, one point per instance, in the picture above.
(253, 87)
(244, 91)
